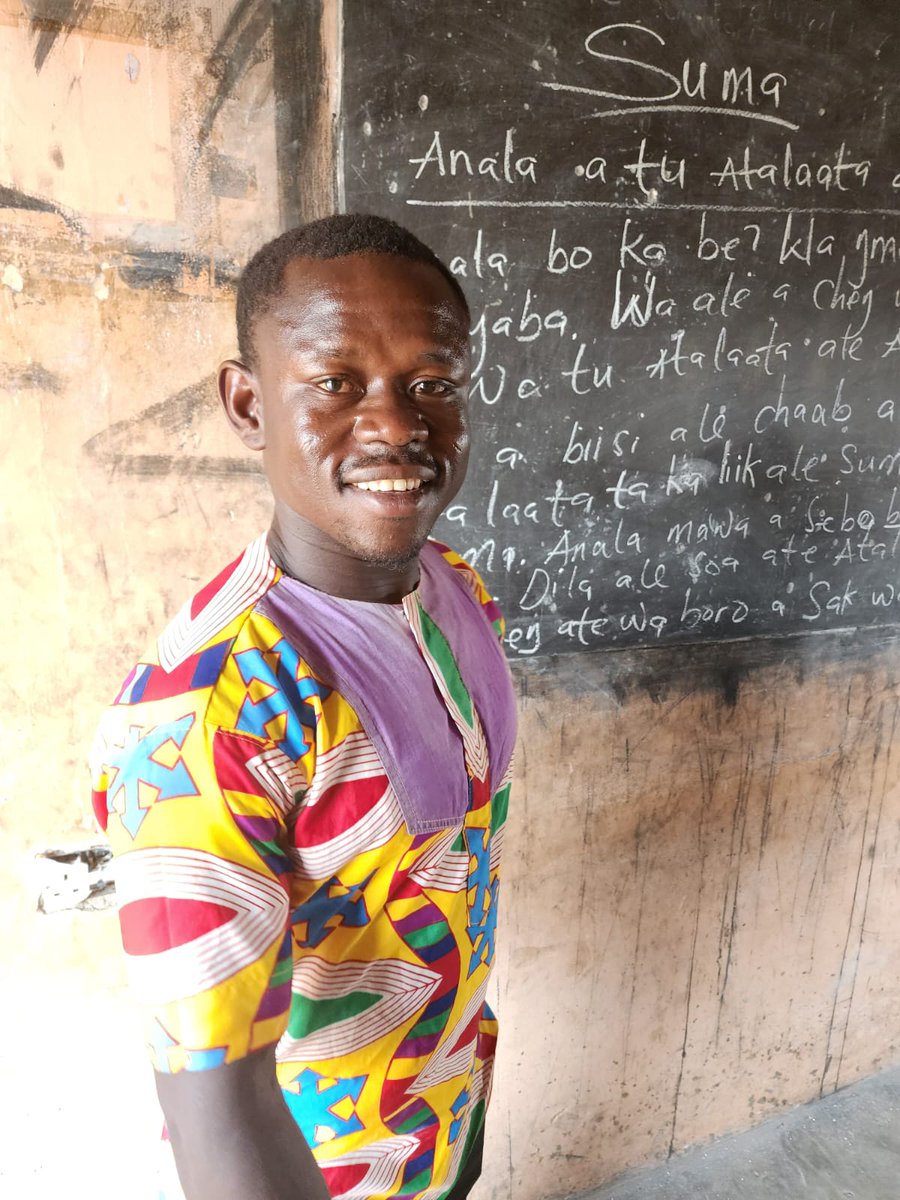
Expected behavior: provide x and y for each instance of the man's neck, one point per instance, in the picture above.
(304, 552)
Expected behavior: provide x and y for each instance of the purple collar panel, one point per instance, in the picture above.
(476, 649)
(367, 653)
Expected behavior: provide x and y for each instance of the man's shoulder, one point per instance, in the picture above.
(190, 655)
(473, 581)
(215, 614)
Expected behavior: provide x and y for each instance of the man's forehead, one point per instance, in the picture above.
(358, 278)
(353, 288)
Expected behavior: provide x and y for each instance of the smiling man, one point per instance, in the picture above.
(306, 780)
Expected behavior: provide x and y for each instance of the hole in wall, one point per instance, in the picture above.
(74, 877)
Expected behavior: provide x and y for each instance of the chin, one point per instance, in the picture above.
(391, 558)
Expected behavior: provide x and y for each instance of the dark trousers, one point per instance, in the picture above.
(470, 1172)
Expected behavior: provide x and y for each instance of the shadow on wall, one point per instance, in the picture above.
(160, 439)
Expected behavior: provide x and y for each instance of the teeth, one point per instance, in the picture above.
(389, 485)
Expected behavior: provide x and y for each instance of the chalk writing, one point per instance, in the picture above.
(682, 253)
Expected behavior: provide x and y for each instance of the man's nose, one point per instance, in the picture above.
(387, 414)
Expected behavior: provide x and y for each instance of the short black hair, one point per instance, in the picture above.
(329, 237)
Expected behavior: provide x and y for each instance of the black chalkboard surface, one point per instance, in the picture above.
(679, 229)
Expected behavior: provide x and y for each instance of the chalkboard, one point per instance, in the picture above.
(679, 229)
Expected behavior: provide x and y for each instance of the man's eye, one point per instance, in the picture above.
(432, 387)
(333, 384)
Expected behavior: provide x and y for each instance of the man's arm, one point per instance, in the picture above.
(234, 1137)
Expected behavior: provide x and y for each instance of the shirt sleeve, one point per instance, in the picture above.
(197, 817)
(475, 584)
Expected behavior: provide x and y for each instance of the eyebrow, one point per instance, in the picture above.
(441, 358)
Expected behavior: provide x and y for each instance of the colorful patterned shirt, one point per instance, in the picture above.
(306, 797)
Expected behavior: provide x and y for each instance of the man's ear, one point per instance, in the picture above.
(238, 391)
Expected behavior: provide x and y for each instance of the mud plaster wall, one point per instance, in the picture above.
(701, 892)
(698, 925)
(142, 157)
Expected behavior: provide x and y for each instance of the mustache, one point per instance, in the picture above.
(407, 456)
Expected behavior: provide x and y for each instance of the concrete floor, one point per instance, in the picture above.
(845, 1147)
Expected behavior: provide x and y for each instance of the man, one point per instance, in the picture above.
(306, 781)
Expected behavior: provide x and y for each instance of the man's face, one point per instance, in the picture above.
(362, 379)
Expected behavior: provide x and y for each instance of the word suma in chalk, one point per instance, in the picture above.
(733, 86)
(863, 462)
